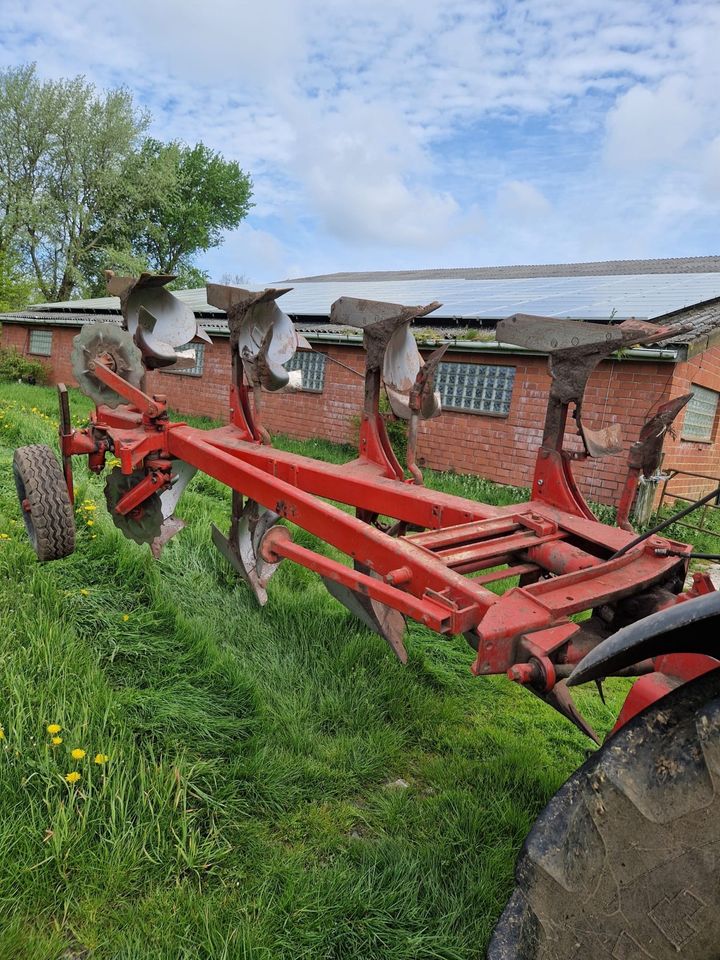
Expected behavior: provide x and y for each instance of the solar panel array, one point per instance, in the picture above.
(590, 298)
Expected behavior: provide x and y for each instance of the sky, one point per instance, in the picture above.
(410, 134)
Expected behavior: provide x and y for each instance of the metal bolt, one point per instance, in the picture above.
(522, 673)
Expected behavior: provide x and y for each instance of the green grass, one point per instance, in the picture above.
(249, 807)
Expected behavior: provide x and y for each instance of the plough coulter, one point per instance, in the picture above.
(625, 862)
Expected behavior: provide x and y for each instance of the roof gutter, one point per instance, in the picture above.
(667, 355)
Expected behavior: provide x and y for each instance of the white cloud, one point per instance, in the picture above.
(710, 166)
(517, 198)
(421, 131)
(649, 127)
(257, 255)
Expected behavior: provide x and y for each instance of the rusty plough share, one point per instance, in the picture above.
(435, 558)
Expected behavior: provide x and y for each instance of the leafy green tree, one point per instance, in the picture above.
(66, 150)
(203, 195)
(16, 287)
(82, 189)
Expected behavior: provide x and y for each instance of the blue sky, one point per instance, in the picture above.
(387, 134)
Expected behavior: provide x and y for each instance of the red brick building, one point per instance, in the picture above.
(494, 395)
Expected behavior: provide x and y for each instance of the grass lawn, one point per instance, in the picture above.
(278, 786)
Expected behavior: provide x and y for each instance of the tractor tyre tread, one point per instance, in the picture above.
(50, 522)
(624, 862)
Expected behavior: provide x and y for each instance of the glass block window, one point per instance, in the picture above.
(41, 342)
(700, 414)
(475, 387)
(312, 366)
(189, 349)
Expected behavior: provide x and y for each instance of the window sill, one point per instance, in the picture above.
(708, 440)
(476, 413)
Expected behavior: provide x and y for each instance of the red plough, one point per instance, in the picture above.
(412, 552)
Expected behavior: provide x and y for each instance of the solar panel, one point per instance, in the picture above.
(589, 298)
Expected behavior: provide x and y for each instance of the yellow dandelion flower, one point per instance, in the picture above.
(126, 617)
(2, 733)
(77, 754)
(54, 728)
(101, 758)
(84, 591)
(56, 741)
(90, 523)
(90, 507)
(72, 777)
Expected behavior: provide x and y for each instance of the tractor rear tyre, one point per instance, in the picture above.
(624, 862)
(44, 501)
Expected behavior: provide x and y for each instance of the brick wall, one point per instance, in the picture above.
(500, 448)
(694, 456)
(504, 448)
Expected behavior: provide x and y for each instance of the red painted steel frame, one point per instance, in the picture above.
(434, 593)
(290, 485)
(562, 553)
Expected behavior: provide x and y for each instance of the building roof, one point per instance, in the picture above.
(596, 268)
(686, 291)
(590, 291)
(704, 322)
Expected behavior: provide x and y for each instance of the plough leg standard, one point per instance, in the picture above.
(413, 552)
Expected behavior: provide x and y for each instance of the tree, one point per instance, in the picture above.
(234, 279)
(203, 195)
(16, 287)
(65, 154)
(82, 189)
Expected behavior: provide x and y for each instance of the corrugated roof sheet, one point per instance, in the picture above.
(597, 268)
(213, 325)
(703, 318)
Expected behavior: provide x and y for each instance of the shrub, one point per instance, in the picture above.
(14, 366)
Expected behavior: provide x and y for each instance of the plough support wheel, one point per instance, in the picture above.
(624, 862)
(44, 501)
(144, 524)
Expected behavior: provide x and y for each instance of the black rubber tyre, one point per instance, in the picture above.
(44, 501)
(624, 862)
